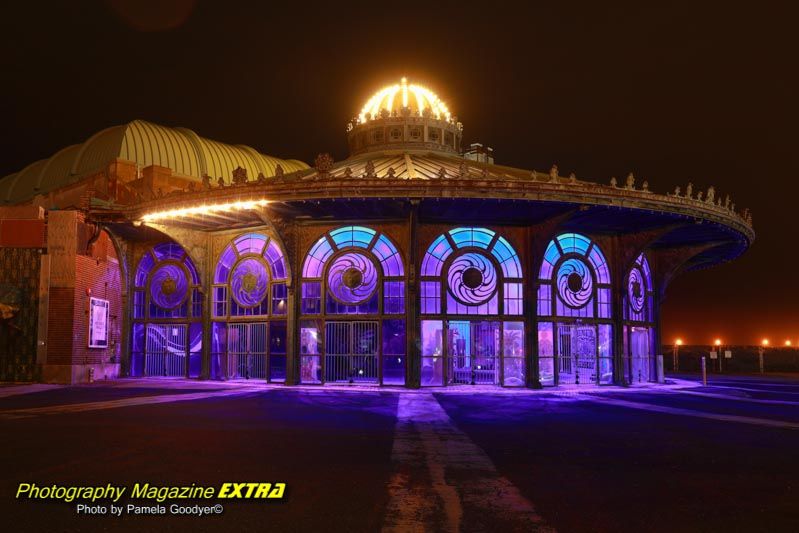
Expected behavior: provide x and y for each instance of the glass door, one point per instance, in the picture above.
(473, 349)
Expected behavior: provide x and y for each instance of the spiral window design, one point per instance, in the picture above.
(575, 284)
(169, 286)
(471, 271)
(352, 278)
(166, 284)
(574, 279)
(472, 278)
(635, 290)
(249, 282)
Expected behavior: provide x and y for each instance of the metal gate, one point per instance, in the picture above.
(577, 354)
(166, 350)
(246, 351)
(473, 349)
(351, 352)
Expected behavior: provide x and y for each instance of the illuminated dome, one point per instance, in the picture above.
(405, 98)
(404, 116)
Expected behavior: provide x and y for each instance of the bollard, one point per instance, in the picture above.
(91, 374)
(704, 370)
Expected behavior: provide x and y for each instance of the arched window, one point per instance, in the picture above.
(167, 309)
(353, 290)
(574, 309)
(249, 309)
(639, 328)
(473, 276)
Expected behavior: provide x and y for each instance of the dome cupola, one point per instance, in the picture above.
(404, 116)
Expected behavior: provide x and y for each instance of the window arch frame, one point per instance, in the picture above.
(143, 304)
(435, 292)
(223, 301)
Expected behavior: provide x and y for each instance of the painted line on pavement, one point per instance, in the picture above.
(439, 471)
(690, 412)
(16, 390)
(736, 398)
(113, 404)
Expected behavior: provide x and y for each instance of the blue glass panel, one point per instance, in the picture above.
(509, 260)
(315, 260)
(352, 236)
(251, 243)
(479, 237)
(388, 256)
(574, 243)
(277, 262)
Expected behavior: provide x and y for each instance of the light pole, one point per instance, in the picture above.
(676, 354)
(760, 351)
(717, 343)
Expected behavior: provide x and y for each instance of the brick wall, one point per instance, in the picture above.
(97, 275)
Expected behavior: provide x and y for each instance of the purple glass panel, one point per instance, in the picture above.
(195, 349)
(251, 243)
(218, 348)
(388, 256)
(513, 299)
(277, 351)
(138, 304)
(315, 260)
(145, 265)
(431, 297)
(435, 256)
(137, 351)
(472, 278)
(513, 343)
(544, 300)
(168, 250)
(226, 261)
(311, 298)
(394, 297)
(276, 260)
(575, 284)
(169, 286)
(546, 353)
(249, 282)
(352, 278)
(600, 265)
(279, 295)
(394, 352)
(636, 290)
(432, 353)
(506, 255)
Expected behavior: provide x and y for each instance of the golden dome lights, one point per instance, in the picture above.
(416, 99)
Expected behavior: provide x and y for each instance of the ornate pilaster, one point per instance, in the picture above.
(413, 361)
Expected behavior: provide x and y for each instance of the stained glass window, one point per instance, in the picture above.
(481, 271)
(638, 297)
(574, 279)
(349, 262)
(249, 278)
(166, 284)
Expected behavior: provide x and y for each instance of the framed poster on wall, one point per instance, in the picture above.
(98, 323)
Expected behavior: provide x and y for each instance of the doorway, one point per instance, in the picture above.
(246, 351)
(473, 349)
(166, 350)
(351, 352)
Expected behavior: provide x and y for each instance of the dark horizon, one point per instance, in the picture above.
(700, 94)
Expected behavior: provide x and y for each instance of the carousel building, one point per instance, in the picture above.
(151, 251)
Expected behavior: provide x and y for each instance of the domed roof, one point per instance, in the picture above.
(404, 97)
(145, 144)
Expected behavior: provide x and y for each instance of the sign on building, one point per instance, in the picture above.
(98, 323)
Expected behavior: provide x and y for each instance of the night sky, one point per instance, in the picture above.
(673, 94)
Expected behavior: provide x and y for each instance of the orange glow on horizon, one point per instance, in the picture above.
(787, 343)
(717, 342)
(764, 342)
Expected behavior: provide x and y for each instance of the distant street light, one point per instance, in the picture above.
(719, 353)
(676, 354)
(787, 343)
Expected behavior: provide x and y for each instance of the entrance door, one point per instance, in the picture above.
(246, 351)
(641, 358)
(473, 349)
(351, 352)
(577, 354)
(165, 350)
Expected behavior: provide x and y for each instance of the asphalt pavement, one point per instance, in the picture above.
(680, 457)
